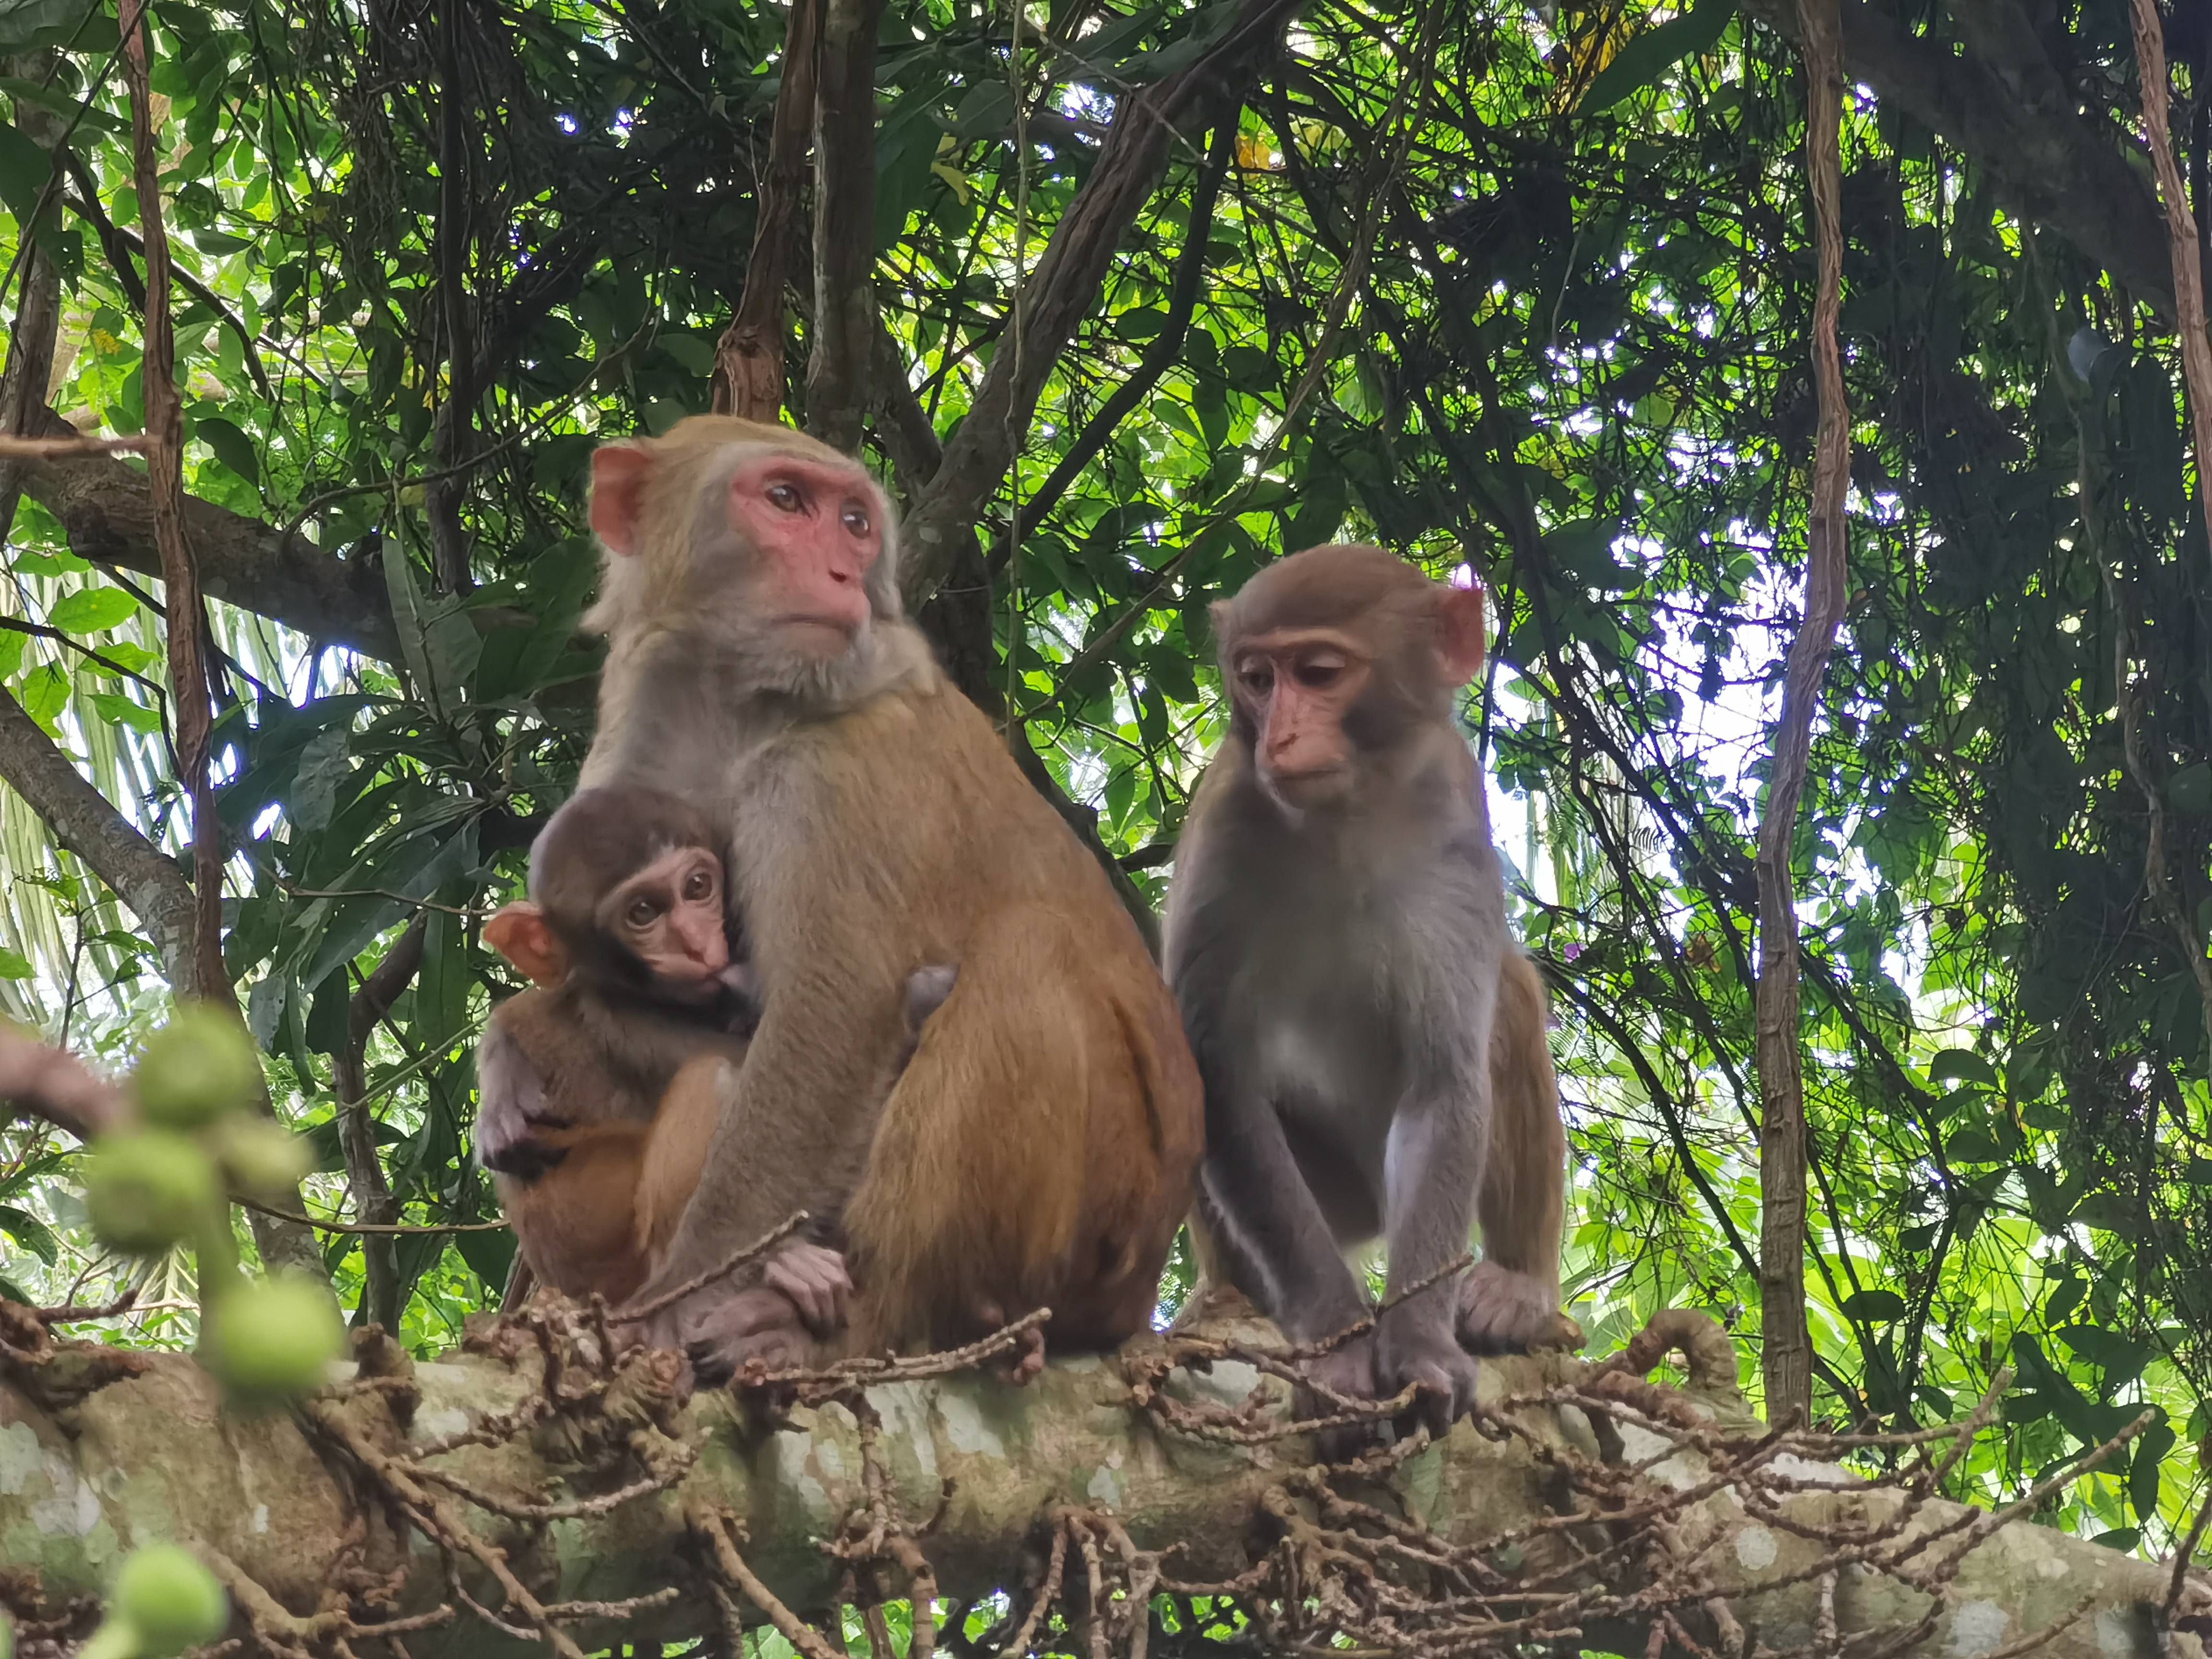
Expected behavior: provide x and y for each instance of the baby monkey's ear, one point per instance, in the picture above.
(518, 931)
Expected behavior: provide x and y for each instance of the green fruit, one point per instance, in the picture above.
(169, 1598)
(272, 1340)
(263, 1156)
(197, 1067)
(148, 1189)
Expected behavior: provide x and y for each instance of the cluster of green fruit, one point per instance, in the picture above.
(164, 1181)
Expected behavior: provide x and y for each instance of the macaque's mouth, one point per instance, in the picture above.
(844, 628)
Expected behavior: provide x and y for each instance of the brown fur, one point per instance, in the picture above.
(1039, 1148)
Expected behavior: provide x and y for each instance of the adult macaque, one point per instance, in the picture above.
(1372, 1039)
(598, 1087)
(1039, 1147)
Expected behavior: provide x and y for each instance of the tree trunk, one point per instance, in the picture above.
(1087, 1473)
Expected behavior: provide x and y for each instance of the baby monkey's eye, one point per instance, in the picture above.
(1321, 672)
(1257, 676)
(700, 884)
(643, 914)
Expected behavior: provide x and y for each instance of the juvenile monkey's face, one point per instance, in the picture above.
(1294, 688)
(669, 916)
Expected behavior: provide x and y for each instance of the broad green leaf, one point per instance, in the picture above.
(14, 965)
(118, 710)
(25, 167)
(1961, 1066)
(231, 446)
(33, 1234)
(92, 611)
(1655, 50)
(1875, 1306)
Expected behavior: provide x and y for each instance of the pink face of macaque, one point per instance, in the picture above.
(816, 526)
(669, 916)
(1308, 693)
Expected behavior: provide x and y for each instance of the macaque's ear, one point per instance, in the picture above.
(1459, 633)
(1216, 616)
(619, 472)
(518, 931)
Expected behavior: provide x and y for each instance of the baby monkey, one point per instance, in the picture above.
(600, 1088)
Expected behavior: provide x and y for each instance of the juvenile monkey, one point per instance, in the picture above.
(598, 1087)
(1370, 1037)
(1038, 1150)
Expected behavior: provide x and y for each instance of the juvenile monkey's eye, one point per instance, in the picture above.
(642, 914)
(1257, 677)
(700, 884)
(785, 497)
(856, 519)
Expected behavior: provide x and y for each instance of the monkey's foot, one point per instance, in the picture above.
(813, 1277)
(1348, 1370)
(1021, 1364)
(1421, 1351)
(1505, 1311)
(722, 1334)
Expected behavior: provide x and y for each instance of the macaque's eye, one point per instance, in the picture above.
(785, 496)
(1321, 672)
(643, 913)
(856, 519)
(699, 884)
(1257, 677)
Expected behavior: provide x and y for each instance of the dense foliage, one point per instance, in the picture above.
(1530, 291)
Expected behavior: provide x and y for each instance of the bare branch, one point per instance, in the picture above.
(192, 703)
(749, 360)
(1787, 1349)
(1064, 289)
(844, 335)
(138, 871)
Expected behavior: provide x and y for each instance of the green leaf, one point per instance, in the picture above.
(694, 355)
(14, 965)
(2112, 1212)
(1656, 51)
(2190, 790)
(314, 793)
(1972, 1144)
(118, 710)
(92, 611)
(2144, 1469)
(1875, 1307)
(231, 446)
(1962, 1065)
(25, 166)
(33, 1234)
(440, 642)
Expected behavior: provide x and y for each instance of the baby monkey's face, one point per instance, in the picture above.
(669, 916)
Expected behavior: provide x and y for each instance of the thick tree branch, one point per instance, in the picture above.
(454, 437)
(749, 360)
(2008, 109)
(1787, 1348)
(103, 509)
(36, 321)
(192, 701)
(1165, 352)
(837, 369)
(138, 871)
(1064, 289)
(1746, 1550)
(383, 1297)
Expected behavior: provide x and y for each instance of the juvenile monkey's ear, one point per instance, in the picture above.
(619, 472)
(518, 931)
(1459, 624)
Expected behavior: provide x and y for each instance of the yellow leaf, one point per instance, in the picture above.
(956, 178)
(1254, 155)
